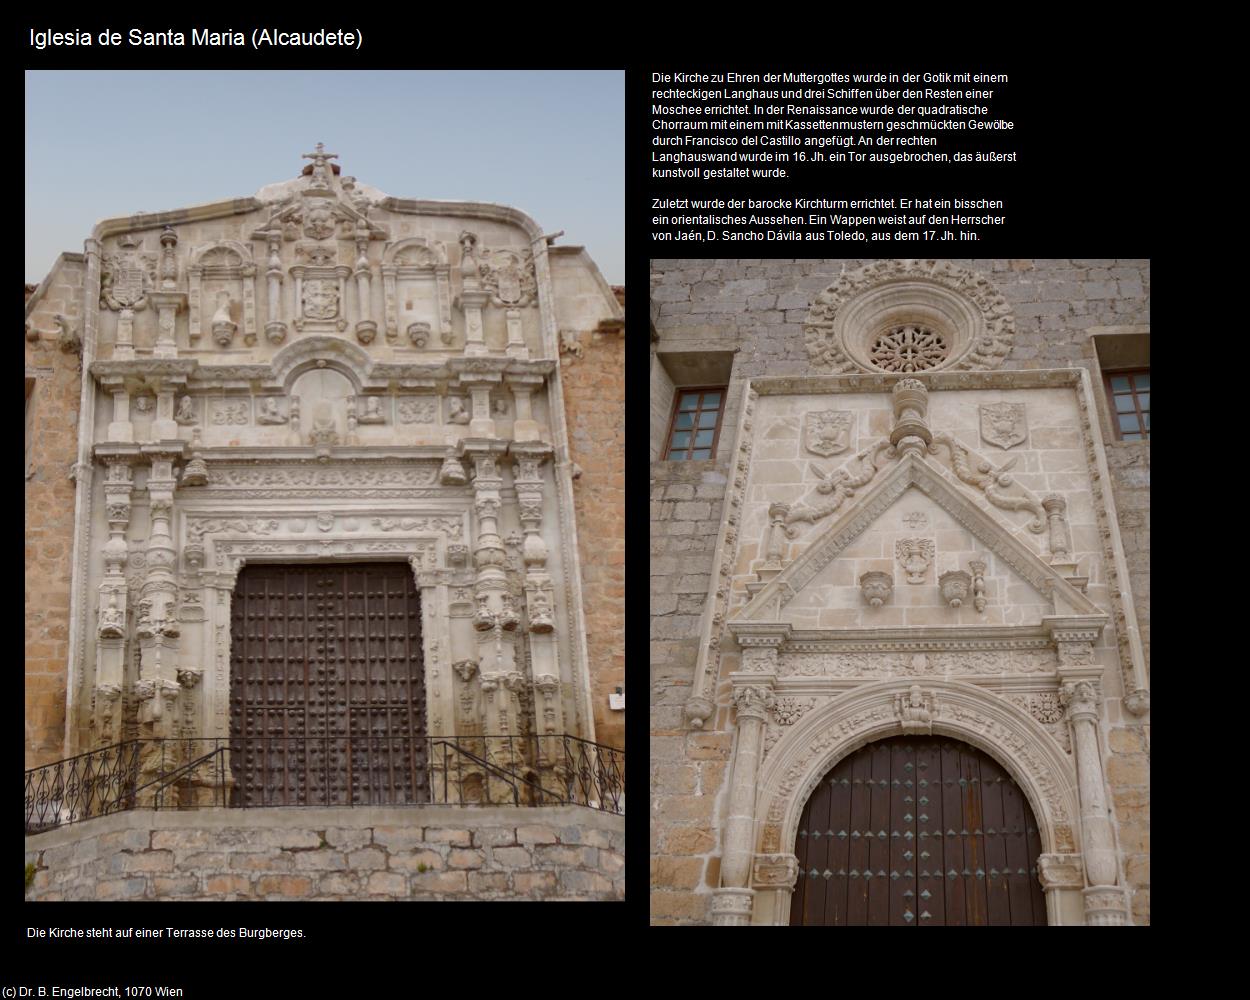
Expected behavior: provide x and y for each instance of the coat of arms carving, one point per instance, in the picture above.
(1002, 424)
(321, 299)
(127, 276)
(509, 277)
(827, 432)
(319, 220)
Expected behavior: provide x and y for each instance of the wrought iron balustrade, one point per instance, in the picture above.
(325, 770)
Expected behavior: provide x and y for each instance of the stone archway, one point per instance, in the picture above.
(828, 733)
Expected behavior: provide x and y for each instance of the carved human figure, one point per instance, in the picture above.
(323, 427)
(456, 413)
(269, 413)
(373, 411)
(186, 411)
(112, 621)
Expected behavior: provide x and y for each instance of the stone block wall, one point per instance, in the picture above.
(556, 853)
(757, 308)
(54, 382)
(594, 400)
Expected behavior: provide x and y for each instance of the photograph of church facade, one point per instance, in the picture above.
(899, 592)
(308, 480)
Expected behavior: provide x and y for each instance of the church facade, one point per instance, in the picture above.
(303, 504)
(900, 617)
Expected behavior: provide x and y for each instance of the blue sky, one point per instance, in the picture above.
(101, 144)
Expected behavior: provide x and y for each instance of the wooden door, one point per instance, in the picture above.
(917, 832)
(327, 688)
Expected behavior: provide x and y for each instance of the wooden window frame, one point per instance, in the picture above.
(1107, 376)
(678, 392)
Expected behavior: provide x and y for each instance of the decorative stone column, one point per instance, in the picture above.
(911, 434)
(120, 428)
(111, 628)
(366, 328)
(753, 697)
(275, 329)
(524, 426)
(495, 617)
(157, 625)
(527, 478)
(1056, 507)
(776, 539)
(1062, 876)
(1104, 901)
(167, 302)
(473, 297)
(774, 879)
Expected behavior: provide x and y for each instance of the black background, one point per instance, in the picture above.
(1099, 174)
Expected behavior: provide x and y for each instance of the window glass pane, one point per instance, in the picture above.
(1119, 383)
(689, 401)
(684, 421)
(707, 418)
(1128, 422)
(681, 439)
(711, 399)
(677, 456)
(705, 453)
(703, 439)
(1130, 437)
(1123, 404)
(1146, 417)
(1142, 380)
(1143, 400)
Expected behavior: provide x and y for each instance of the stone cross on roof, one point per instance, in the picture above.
(320, 165)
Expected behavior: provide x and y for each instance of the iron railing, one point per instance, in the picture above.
(328, 770)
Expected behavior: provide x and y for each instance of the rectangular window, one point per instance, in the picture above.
(1129, 393)
(696, 423)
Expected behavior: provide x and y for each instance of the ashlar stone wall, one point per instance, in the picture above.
(556, 853)
(593, 376)
(54, 379)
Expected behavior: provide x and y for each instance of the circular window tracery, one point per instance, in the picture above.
(909, 348)
(906, 316)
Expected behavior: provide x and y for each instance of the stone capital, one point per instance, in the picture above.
(1105, 906)
(732, 907)
(1060, 871)
(753, 700)
(775, 871)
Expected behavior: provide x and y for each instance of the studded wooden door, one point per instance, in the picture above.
(327, 690)
(917, 832)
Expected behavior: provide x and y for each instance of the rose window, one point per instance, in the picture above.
(909, 349)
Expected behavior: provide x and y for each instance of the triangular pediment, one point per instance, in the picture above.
(1024, 579)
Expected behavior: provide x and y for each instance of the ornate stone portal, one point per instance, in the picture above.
(437, 444)
(994, 639)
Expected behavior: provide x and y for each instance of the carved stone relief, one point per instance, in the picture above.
(859, 322)
(827, 432)
(1003, 424)
(914, 555)
(418, 410)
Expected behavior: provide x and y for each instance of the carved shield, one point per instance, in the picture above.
(321, 299)
(319, 222)
(510, 285)
(1002, 424)
(827, 432)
